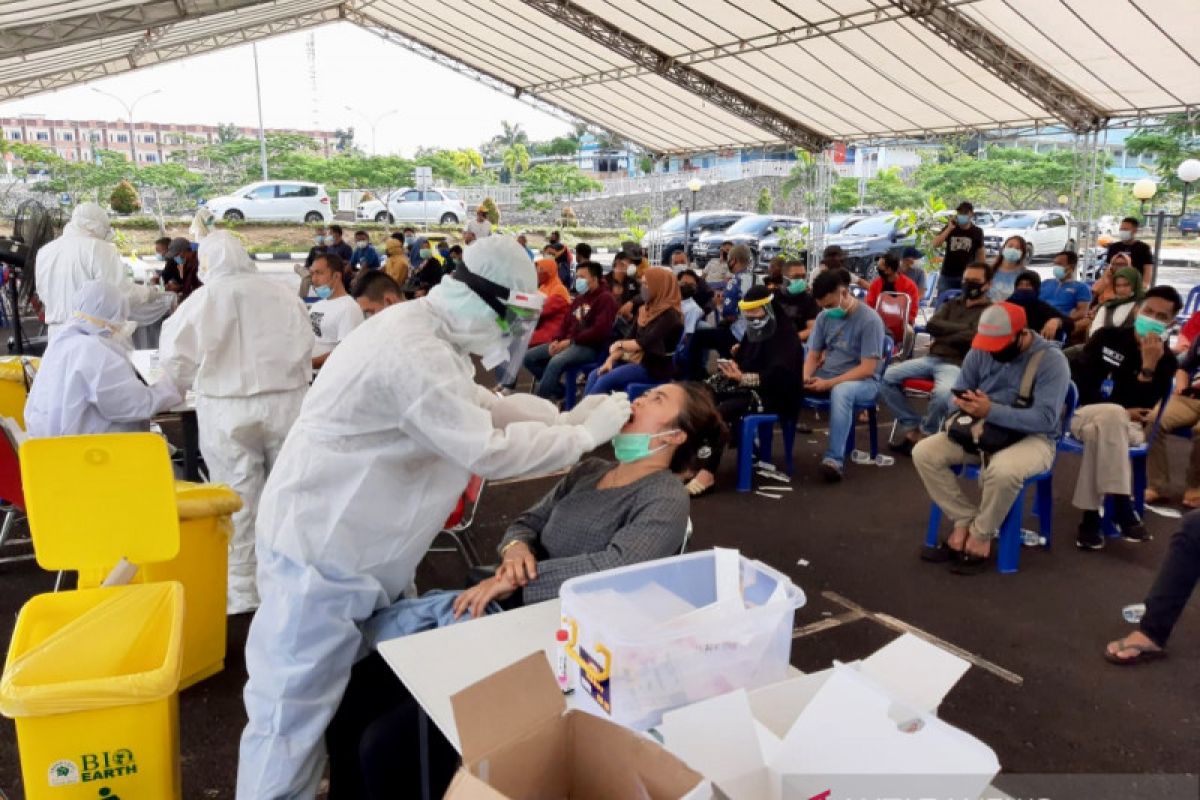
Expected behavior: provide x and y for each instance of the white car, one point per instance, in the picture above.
(412, 205)
(1047, 232)
(283, 201)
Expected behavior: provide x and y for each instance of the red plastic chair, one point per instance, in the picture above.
(13, 504)
(893, 308)
(458, 524)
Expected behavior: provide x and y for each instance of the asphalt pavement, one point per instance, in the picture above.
(1040, 694)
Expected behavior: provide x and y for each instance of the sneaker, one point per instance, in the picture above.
(831, 470)
(1089, 536)
(1134, 531)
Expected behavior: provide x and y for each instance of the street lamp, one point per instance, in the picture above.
(1143, 190)
(372, 122)
(694, 186)
(1188, 172)
(129, 115)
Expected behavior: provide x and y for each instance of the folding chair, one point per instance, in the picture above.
(1009, 543)
(893, 308)
(457, 526)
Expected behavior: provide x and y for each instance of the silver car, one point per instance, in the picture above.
(426, 207)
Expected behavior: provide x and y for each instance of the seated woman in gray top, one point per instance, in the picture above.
(604, 515)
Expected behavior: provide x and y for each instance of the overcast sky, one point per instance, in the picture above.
(436, 106)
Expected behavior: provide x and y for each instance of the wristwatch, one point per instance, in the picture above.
(1146, 373)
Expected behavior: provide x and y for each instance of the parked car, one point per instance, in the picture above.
(985, 218)
(289, 201)
(1047, 232)
(868, 239)
(442, 206)
(837, 223)
(670, 233)
(1189, 223)
(749, 230)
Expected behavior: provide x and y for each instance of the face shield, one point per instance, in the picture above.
(758, 328)
(517, 315)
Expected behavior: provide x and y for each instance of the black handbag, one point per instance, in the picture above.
(980, 437)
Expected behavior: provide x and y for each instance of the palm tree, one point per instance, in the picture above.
(511, 134)
(801, 174)
(516, 159)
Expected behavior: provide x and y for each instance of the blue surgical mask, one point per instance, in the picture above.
(1060, 273)
(630, 447)
(179, 260)
(328, 240)
(581, 285)
(408, 240)
(425, 254)
(323, 292)
(318, 240)
(963, 219)
(1012, 255)
(1144, 326)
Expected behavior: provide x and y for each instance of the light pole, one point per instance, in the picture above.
(694, 186)
(129, 115)
(373, 122)
(1143, 190)
(1188, 173)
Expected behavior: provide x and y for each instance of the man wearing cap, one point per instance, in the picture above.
(987, 389)
(909, 268)
(481, 226)
(182, 271)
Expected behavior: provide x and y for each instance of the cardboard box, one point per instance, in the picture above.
(864, 730)
(520, 741)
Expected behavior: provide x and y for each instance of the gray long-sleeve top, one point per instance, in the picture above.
(577, 529)
(1002, 382)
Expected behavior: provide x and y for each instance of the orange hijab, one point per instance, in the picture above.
(664, 294)
(548, 282)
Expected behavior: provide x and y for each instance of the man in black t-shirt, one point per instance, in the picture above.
(964, 245)
(796, 300)
(1140, 254)
(1141, 369)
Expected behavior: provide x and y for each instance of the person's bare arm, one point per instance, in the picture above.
(865, 369)
(941, 238)
(1080, 311)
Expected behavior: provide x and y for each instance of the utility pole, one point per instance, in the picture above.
(128, 115)
(262, 133)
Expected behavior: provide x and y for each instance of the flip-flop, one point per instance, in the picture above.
(1144, 654)
(697, 489)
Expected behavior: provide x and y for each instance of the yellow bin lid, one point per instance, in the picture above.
(93, 500)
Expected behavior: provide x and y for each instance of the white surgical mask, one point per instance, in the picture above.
(1124, 235)
(360, 245)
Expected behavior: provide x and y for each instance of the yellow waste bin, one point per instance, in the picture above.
(91, 680)
(201, 566)
(15, 373)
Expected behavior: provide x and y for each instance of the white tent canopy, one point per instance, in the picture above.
(686, 75)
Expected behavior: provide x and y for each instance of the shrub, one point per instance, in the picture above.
(567, 218)
(124, 199)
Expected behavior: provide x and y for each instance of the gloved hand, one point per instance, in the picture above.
(522, 407)
(607, 419)
(582, 410)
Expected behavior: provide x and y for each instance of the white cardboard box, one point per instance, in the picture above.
(862, 730)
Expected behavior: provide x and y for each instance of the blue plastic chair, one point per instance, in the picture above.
(942, 298)
(571, 382)
(1009, 554)
(1190, 306)
(1138, 454)
(872, 409)
(636, 390)
(762, 426)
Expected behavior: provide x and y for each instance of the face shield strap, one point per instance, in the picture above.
(489, 292)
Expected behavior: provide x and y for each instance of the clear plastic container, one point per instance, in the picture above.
(652, 637)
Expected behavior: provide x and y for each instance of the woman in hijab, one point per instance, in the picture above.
(1126, 293)
(556, 306)
(763, 377)
(649, 357)
(1040, 316)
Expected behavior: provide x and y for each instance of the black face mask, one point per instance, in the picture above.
(972, 290)
(687, 291)
(1010, 351)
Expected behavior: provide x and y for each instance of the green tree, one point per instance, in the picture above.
(516, 160)
(888, 190)
(544, 182)
(801, 175)
(492, 210)
(1173, 140)
(124, 199)
(843, 195)
(1009, 177)
(765, 202)
(227, 132)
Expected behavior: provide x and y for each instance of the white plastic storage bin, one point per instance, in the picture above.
(653, 637)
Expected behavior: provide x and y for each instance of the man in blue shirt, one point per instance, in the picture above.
(987, 389)
(364, 256)
(1069, 296)
(844, 352)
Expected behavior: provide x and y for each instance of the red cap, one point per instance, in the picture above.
(999, 325)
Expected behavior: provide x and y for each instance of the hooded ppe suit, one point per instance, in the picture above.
(388, 438)
(86, 383)
(81, 254)
(245, 342)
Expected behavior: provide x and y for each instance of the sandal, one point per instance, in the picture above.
(697, 489)
(1143, 653)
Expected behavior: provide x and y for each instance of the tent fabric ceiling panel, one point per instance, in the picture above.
(679, 75)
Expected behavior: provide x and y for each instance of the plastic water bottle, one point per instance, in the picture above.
(1133, 614)
(1032, 538)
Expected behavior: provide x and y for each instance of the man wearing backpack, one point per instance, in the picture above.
(1014, 382)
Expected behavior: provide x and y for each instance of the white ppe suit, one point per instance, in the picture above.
(86, 382)
(81, 254)
(245, 342)
(388, 438)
